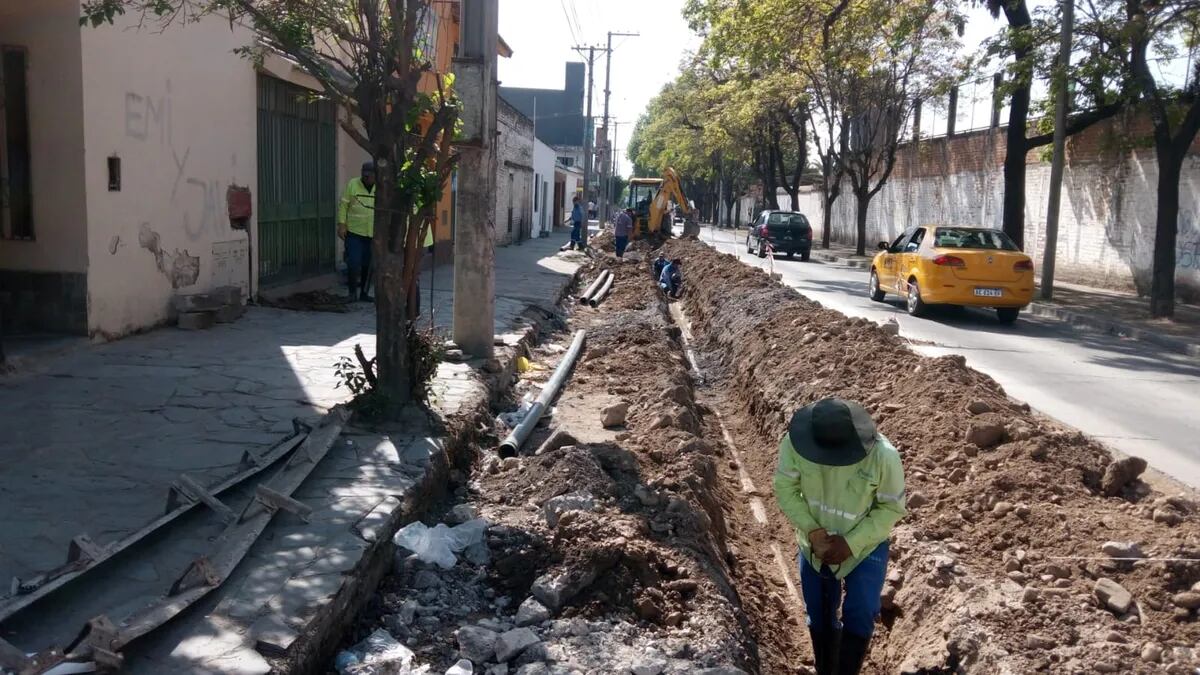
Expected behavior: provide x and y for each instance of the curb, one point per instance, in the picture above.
(1075, 319)
(1118, 328)
(857, 263)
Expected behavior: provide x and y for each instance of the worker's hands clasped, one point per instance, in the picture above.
(830, 549)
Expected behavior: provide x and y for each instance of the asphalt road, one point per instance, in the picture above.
(1135, 397)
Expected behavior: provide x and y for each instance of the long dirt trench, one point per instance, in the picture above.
(654, 545)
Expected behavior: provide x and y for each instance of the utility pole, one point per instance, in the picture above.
(589, 130)
(608, 149)
(1060, 137)
(474, 249)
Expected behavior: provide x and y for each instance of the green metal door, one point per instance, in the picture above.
(297, 191)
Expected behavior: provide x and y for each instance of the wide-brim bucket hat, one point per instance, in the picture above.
(832, 432)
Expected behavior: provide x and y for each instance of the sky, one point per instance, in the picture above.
(542, 41)
(542, 34)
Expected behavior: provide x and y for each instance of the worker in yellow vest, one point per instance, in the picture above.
(356, 227)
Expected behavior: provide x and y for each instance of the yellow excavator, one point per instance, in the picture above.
(650, 199)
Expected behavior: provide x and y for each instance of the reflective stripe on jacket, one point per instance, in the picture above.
(357, 208)
(861, 502)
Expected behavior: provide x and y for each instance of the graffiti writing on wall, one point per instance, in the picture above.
(197, 199)
(1187, 246)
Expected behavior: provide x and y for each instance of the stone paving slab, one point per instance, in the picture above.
(100, 432)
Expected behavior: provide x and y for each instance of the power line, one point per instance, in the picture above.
(567, 16)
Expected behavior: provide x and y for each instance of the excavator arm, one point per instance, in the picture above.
(672, 189)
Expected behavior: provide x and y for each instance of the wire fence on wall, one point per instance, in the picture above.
(973, 105)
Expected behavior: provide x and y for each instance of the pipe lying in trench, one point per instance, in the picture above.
(595, 286)
(601, 294)
(514, 441)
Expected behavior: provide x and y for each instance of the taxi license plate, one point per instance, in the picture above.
(989, 292)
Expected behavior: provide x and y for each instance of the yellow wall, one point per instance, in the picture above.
(447, 38)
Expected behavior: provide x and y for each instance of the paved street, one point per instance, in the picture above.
(1132, 395)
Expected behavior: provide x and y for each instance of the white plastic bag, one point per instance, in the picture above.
(437, 545)
(378, 648)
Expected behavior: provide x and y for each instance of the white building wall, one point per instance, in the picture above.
(514, 175)
(49, 31)
(543, 175)
(1106, 221)
(179, 110)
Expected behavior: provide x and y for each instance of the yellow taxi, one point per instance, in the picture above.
(971, 266)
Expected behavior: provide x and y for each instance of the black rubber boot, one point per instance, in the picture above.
(851, 653)
(825, 651)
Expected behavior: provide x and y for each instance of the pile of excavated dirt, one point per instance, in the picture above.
(1011, 557)
(606, 555)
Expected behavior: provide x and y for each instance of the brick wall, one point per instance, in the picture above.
(514, 175)
(1106, 221)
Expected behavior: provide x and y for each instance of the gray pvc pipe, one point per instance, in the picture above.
(595, 286)
(517, 438)
(598, 296)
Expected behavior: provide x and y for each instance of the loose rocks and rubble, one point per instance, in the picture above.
(605, 555)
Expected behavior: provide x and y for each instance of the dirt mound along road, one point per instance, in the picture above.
(1008, 561)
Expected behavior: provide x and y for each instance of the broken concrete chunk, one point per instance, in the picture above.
(986, 434)
(1120, 474)
(614, 415)
(555, 507)
(916, 500)
(677, 394)
(531, 612)
(651, 664)
(509, 644)
(462, 667)
(555, 588)
(979, 407)
(1121, 549)
(1186, 599)
(1113, 596)
(476, 644)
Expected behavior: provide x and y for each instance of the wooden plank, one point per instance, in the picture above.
(12, 658)
(63, 575)
(197, 491)
(278, 502)
(235, 541)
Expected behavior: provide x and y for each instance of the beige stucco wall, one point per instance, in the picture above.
(49, 29)
(179, 109)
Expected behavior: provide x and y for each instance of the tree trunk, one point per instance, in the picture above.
(1016, 146)
(862, 199)
(832, 192)
(1166, 231)
(1014, 167)
(393, 369)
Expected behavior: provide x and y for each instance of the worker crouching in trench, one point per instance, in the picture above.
(841, 484)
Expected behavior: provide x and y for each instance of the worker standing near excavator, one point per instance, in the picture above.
(841, 485)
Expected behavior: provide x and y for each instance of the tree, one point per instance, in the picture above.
(874, 61)
(1024, 46)
(367, 56)
(1121, 34)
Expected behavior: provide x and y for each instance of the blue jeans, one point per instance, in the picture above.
(358, 262)
(576, 232)
(621, 243)
(823, 593)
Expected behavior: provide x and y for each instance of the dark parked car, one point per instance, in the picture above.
(783, 231)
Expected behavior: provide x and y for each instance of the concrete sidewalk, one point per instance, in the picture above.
(93, 437)
(1095, 309)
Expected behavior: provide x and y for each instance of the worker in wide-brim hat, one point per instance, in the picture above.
(841, 485)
